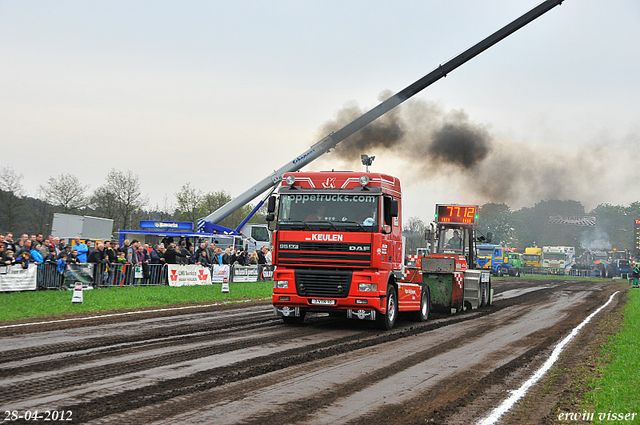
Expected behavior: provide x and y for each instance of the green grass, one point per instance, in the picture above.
(618, 388)
(19, 305)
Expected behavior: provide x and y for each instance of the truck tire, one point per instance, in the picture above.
(387, 320)
(499, 271)
(293, 320)
(423, 314)
(484, 295)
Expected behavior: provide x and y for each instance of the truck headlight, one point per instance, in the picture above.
(368, 287)
(282, 284)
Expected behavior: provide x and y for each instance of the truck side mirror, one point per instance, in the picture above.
(427, 234)
(393, 208)
(271, 205)
(270, 217)
(489, 236)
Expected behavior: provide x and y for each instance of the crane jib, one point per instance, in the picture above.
(329, 142)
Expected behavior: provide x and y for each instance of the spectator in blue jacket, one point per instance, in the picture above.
(81, 249)
(36, 255)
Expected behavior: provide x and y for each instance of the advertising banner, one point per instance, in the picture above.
(78, 273)
(245, 273)
(173, 225)
(220, 273)
(15, 278)
(192, 274)
(252, 273)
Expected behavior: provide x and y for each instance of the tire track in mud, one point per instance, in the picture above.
(463, 401)
(90, 343)
(97, 350)
(259, 369)
(259, 366)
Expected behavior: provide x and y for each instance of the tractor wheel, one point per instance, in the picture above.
(484, 295)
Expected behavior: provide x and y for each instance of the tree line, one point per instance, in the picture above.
(120, 198)
(530, 226)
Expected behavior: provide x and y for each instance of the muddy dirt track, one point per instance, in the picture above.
(239, 364)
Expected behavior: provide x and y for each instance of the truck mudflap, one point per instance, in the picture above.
(361, 314)
(286, 311)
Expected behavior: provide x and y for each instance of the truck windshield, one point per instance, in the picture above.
(556, 256)
(485, 252)
(320, 211)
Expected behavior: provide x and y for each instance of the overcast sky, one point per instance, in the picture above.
(221, 93)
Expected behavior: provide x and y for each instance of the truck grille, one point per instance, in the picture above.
(323, 283)
(324, 254)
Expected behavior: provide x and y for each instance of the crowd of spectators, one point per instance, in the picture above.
(108, 254)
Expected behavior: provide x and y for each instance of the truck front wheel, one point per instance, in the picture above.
(387, 320)
(293, 320)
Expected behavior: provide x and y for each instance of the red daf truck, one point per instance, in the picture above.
(338, 248)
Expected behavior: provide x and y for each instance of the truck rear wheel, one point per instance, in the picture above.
(387, 320)
(423, 314)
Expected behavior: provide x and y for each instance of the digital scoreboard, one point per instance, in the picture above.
(463, 214)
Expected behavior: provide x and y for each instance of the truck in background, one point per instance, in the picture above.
(515, 259)
(558, 259)
(495, 258)
(532, 257)
(621, 263)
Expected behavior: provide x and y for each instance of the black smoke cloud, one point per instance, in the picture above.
(437, 140)
(432, 142)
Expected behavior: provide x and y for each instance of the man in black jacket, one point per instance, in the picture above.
(172, 253)
(99, 260)
(262, 260)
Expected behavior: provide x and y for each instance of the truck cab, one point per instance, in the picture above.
(494, 258)
(532, 257)
(338, 247)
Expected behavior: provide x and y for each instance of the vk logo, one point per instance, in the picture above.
(330, 183)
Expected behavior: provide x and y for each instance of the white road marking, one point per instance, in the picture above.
(520, 392)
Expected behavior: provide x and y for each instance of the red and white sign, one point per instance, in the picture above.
(192, 274)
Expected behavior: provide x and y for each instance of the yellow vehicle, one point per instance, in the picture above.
(532, 257)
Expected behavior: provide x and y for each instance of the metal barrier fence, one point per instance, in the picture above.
(101, 275)
(110, 275)
(557, 272)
